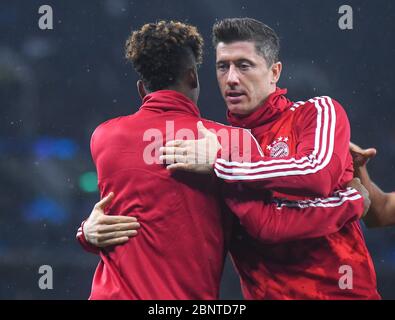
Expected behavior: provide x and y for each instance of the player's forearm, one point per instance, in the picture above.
(304, 181)
(294, 220)
(382, 209)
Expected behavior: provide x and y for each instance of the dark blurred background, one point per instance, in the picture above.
(57, 85)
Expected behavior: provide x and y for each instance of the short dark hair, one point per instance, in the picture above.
(267, 43)
(161, 51)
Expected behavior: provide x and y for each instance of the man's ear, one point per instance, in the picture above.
(276, 71)
(193, 78)
(141, 89)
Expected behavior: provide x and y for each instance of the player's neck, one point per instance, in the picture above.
(185, 91)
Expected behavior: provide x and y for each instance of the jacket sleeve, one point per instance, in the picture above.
(84, 243)
(282, 220)
(321, 155)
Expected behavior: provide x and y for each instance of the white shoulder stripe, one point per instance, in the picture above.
(296, 105)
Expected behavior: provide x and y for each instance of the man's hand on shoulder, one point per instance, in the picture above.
(192, 155)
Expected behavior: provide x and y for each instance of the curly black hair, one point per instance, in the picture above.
(161, 51)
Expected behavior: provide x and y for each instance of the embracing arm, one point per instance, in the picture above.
(315, 170)
(284, 220)
(319, 162)
(100, 230)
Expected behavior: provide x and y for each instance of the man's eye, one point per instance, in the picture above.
(244, 66)
(222, 67)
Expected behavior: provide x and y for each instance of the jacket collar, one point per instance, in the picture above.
(169, 100)
(270, 110)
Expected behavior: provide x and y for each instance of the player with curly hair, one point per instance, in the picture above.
(180, 250)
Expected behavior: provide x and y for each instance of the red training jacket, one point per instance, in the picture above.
(304, 152)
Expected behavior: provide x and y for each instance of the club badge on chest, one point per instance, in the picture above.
(278, 148)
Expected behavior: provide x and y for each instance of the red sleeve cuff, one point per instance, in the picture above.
(84, 243)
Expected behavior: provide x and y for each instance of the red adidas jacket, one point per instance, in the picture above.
(179, 252)
(304, 152)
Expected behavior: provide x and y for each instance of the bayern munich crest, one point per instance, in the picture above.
(278, 148)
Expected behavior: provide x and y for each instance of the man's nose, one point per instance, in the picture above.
(233, 76)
